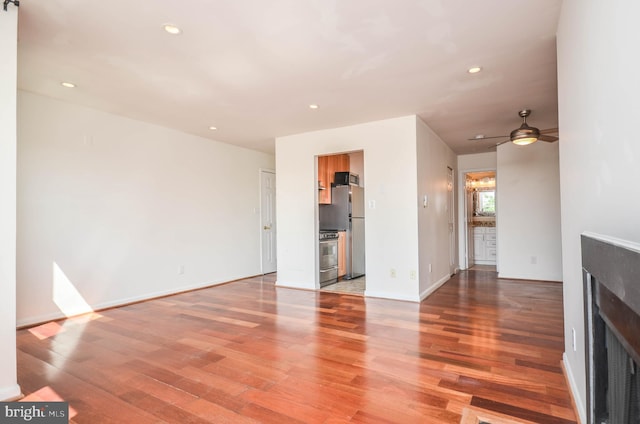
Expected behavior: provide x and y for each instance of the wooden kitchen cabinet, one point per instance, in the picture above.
(327, 167)
(324, 185)
(338, 163)
(342, 254)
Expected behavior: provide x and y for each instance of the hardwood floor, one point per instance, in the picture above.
(250, 352)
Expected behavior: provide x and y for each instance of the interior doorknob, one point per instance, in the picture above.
(267, 227)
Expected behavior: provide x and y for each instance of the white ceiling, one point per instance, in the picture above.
(252, 67)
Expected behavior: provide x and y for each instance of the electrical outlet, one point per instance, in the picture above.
(392, 273)
(573, 339)
(430, 269)
(534, 260)
(413, 274)
(181, 270)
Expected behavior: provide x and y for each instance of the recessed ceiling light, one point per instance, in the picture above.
(313, 106)
(474, 69)
(212, 128)
(67, 84)
(479, 136)
(172, 29)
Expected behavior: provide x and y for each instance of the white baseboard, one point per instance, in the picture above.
(391, 296)
(294, 285)
(38, 319)
(10, 393)
(394, 296)
(434, 287)
(573, 387)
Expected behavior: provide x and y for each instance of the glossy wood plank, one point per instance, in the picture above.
(250, 352)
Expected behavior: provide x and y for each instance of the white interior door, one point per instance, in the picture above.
(268, 221)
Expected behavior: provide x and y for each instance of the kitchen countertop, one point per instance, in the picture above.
(483, 223)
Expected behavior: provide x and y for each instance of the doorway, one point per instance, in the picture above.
(480, 223)
(268, 221)
(341, 211)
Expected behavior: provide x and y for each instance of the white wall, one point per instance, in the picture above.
(9, 388)
(469, 163)
(391, 226)
(598, 89)
(433, 158)
(110, 208)
(477, 162)
(528, 212)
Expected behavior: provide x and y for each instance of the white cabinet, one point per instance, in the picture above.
(485, 245)
(478, 244)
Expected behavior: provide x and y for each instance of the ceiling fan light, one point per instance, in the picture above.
(524, 141)
(525, 135)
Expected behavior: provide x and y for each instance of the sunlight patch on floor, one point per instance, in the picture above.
(47, 330)
(47, 394)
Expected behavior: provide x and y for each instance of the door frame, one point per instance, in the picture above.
(463, 238)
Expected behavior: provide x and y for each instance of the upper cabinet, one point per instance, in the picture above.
(327, 167)
(324, 187)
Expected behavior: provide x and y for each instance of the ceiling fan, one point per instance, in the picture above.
(525, 134)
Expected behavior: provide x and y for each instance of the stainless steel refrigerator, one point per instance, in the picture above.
(346, 213)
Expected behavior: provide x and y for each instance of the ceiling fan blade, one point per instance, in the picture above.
(549, 131)
(493, 146)
(548, 138)
(486, 138)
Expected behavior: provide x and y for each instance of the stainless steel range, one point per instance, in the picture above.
(328, 251)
